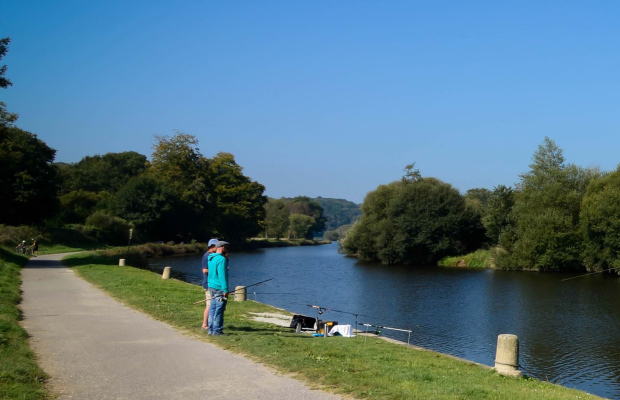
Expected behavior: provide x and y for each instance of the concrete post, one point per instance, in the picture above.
(241, 293)
(121, 262)
(166, 274)
(507, 356)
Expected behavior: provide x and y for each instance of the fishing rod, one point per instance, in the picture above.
(387, 327)
(320, 311)
(234, 291)
(591, 273)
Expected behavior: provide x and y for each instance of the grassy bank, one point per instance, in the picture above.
(477, 259)
(20, 376)
(363, 369)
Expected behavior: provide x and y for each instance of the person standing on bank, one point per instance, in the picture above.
(218, 288)
(205, 280)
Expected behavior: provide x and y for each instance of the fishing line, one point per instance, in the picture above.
(234, 291)
(591, 273)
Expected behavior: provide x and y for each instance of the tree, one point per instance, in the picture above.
(153, 209)
(240, 201)
(4, 47)
(102, 173)
(300, 225)
(600, 223)
(412, 222)
(338, 212)
(28, 180)
(496, 217)
(6, 118)
(312, 208)
(546, 214)
(276, 218)
(177, 161)
(76, 206)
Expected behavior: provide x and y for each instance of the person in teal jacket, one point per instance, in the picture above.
(218, 288)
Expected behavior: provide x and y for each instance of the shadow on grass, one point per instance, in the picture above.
(89, 259)
(12, 257)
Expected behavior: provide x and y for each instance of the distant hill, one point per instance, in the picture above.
(339, 212)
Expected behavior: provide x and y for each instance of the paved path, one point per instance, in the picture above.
(94, 347)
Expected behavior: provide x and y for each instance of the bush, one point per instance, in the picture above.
(108, 229)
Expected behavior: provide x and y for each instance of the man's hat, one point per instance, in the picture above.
(213, 242)
(221, 243)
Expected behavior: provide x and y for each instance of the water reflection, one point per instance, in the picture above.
(568, 329)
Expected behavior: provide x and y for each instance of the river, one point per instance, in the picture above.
(568, 330)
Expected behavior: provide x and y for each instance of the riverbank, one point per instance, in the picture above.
(20, 375)
(369, 368)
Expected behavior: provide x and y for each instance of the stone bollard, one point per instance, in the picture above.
(241, 293)
(121, 262)
(507, 356)
(166, 274)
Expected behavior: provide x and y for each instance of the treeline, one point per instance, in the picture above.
(296, 218)
(558, 217)
(180, 195)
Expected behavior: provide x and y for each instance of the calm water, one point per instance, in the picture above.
(569, 331)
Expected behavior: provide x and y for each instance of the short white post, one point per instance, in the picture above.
(121, 262)
(507, 356)
(240, 293)
(166, 274)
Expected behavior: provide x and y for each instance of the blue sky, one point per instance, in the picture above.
(323, 98)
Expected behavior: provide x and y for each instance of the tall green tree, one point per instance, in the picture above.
(306, 206)
(108, 172)
(300, 225)
(496, 217)
(6, 118)
(546, 214)
(412, 221)
(240, 201)
(276, 218)
(600, 223)
(153, 209)
(28, 180)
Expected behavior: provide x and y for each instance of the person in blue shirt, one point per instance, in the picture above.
(218, 288)
(205, 282)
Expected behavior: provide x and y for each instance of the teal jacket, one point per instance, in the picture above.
(218, 272)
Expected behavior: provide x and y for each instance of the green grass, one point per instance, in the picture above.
(20, 375)
(371, 369)
(478, 259)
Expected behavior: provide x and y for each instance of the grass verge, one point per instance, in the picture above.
(363, 369)
(478, 259)
(20, 375)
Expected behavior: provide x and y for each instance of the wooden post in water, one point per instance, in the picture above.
(166, 274)
(121, 262)
(241, 293)
(507, 356)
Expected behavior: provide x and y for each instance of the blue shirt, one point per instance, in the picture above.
(204, 264)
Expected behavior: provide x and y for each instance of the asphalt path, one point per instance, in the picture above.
(94, 347)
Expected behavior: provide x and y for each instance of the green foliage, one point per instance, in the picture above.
(306, 206)
(240, 201)
(28, 180)
(20, 376)
(108, 229)
(600, 223)
(102, 173)
(300, 225)
(339, 212)
(496, 217)
(176, 161)
(413, 222)
(76, 206)
(153, 210)
(276, 218)
(546, 214)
